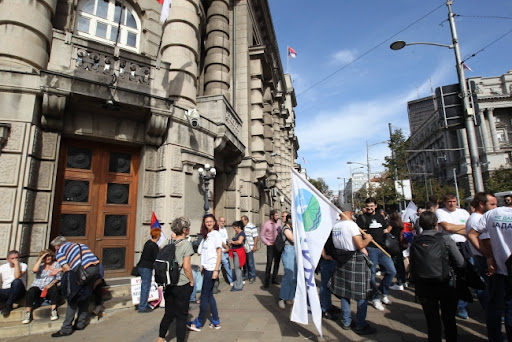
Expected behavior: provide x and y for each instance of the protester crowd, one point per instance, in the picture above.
(445, 252)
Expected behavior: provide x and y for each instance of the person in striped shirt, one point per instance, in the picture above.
(69, 259)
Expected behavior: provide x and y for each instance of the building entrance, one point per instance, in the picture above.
(96, 201)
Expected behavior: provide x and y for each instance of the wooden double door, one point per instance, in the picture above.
(96, 201)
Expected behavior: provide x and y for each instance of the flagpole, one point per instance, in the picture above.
(287, 57)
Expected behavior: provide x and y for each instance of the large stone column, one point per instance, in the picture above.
(485, 132)
(217, 63)
(180, 48)
(25, 33)
(492, 127)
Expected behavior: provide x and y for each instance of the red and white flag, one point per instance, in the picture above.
(291, 52)
(166, 5)
(465, 66)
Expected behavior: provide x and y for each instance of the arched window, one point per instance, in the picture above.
(101, 19)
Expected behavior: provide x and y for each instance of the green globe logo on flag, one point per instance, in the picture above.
(308, 210)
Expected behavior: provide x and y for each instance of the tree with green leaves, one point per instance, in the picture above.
(396, 165)
(322, 186)
(500, 180)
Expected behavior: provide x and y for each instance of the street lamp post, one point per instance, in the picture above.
(468, 111)
(206, 175)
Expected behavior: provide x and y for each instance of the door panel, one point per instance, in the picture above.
(96, 199)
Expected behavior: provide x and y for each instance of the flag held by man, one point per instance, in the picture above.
(313, 217)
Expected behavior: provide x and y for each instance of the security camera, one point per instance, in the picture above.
(193, 117)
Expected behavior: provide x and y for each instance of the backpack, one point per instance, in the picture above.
(167, 269)
(429, 259)
(279, 243)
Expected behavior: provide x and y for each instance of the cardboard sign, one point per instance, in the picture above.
(153, 291)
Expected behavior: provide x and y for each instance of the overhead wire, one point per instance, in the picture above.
(372, 49)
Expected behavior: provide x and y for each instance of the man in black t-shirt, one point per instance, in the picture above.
(375, 225)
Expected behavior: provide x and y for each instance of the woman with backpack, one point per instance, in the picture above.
(432, 256)
(289, 281)
(177, 296)
(211, 255)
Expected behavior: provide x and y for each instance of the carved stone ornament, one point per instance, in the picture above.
(156, 127)
(53, 109)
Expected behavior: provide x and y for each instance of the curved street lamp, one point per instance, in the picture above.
(468, 111)
(206, 175)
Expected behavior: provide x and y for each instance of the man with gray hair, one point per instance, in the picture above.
(70, 256)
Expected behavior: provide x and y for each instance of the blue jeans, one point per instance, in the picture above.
(362, 308)
(386, 265)
(227, 266)
(145, 286)
(249, 268)
(498, 305)
(289, 281)
(14, 293)
(326, 271)
(207, 298)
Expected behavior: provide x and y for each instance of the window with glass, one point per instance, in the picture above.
(109, 21)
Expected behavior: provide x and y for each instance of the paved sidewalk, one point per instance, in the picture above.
(253, 315)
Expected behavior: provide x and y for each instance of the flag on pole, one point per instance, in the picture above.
(465, 66)
(409, 212)
(156, 224)
(313, 217)
(166, 5)
(291, 53)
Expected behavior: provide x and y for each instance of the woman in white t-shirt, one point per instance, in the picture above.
(211, 254)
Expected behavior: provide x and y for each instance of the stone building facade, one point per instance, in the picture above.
(440, 151)
(107, 114)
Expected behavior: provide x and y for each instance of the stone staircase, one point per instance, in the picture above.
(117, 297)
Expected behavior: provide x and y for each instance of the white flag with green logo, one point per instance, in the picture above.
(313, 217)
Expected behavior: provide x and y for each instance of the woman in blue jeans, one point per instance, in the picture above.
(211, 255)
(145, 266)
(289, 281)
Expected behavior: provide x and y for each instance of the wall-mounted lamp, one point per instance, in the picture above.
(206, 175)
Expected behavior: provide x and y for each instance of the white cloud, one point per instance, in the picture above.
(344, 56)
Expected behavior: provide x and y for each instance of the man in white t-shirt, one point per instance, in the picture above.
(452, 220)
(225, 249)
(251, 234)
(481, 203)
(498, 224)
(14, 281)
(352, 275)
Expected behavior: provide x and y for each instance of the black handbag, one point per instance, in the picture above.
(391, 245)
(83, 277)
(135, 271)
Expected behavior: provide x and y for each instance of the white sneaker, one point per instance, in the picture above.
(397, 287)
(385, 300)
(27, 318)
(231, 284)
(54, 316)
(281, 304)
(377, 304)
(378, 273)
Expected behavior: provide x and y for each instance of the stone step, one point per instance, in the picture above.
(117, 297)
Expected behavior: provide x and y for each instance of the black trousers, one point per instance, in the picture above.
(447, 302)
(177, 300)
(272, 256)
(34, 293)
(401, 276)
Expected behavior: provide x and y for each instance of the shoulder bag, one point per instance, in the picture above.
(83, 277)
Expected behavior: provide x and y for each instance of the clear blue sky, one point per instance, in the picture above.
(336, 117)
